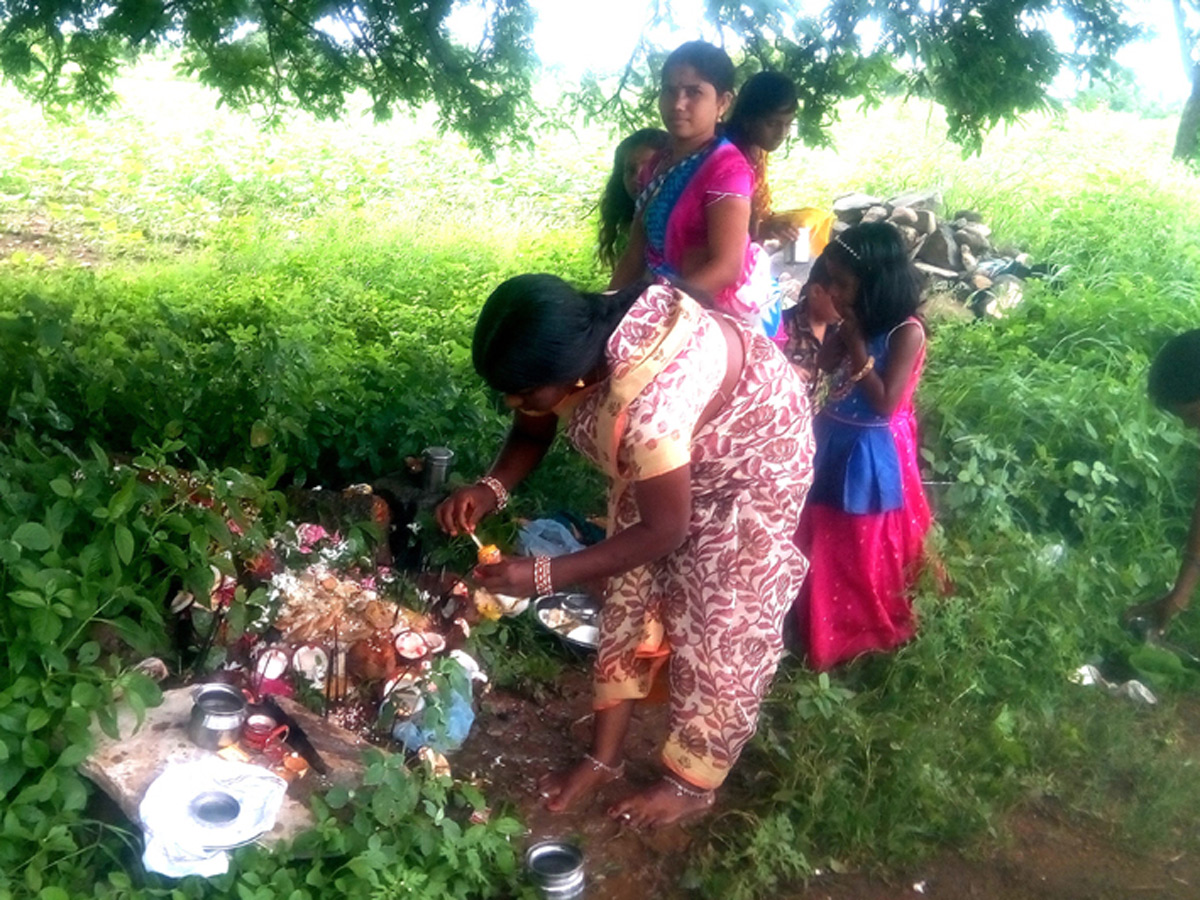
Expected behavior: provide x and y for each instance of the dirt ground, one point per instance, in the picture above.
(37, 236)
(1040, 855)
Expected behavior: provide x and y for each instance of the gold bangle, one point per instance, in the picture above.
(862, 373)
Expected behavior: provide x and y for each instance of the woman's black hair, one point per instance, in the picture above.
(764, 94)
(888, 291)
(616, 206)
(713, 64)
(818, 272)
(537, 330)
(1175, 373)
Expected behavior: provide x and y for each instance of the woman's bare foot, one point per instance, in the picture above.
(561, 789)
(664, 803)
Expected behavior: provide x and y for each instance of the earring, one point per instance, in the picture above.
(580, 383)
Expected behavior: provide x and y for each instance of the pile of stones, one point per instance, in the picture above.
(956, 255)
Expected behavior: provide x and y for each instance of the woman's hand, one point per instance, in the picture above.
(463, 509)
(778, 228)
(509, 576)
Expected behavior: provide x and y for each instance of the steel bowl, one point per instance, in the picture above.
(579, 606)
(214, 809)
(556, 868)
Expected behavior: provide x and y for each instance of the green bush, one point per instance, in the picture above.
(318, 331)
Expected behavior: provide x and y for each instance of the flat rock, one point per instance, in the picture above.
(941, 250)
(967, 237)
(124, 768)
(856, 200)
(966, 259)
(936, 271)
(904, 215)
(849, 208)
(875, 214)
(910, 235)
(927, 222)
(928, 198)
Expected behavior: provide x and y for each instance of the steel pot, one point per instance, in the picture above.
(218, 711)
(556, 868)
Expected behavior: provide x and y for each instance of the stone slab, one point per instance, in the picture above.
(124, 768)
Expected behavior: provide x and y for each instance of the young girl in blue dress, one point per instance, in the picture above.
(864, 526)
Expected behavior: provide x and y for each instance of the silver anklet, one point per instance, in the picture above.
(683, 789)
(597, 766)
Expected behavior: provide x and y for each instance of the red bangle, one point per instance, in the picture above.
(496, 486)
(542, 582)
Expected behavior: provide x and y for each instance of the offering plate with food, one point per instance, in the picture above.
(572, 617)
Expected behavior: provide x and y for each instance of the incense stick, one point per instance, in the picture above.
(335, 659)
(325, 706)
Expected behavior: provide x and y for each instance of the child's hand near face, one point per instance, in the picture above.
(821, 309)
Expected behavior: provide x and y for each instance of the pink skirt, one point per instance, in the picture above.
(856, 597)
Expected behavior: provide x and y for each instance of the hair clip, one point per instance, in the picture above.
(838, 240)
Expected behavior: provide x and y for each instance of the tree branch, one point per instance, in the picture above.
(1187, 40)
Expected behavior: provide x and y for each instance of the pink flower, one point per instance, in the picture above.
(308, 535)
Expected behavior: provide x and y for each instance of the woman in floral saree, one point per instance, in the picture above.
(705, 434)
(692, 219)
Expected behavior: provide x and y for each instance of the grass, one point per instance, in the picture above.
(317, 286)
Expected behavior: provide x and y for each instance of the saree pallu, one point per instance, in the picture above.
(708, 616)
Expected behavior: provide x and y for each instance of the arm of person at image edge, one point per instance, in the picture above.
(1163, 609)
(664, 512)
(882, 389)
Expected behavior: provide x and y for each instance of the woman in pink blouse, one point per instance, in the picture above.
(692, 219)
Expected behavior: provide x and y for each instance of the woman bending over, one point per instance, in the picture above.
(704, 432)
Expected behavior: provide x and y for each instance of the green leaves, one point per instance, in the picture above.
(123, 541)
(401, 57)
(84, 545)
(32, 536)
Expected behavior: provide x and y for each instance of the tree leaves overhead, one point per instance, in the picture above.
(985, 61)
(267, 55)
